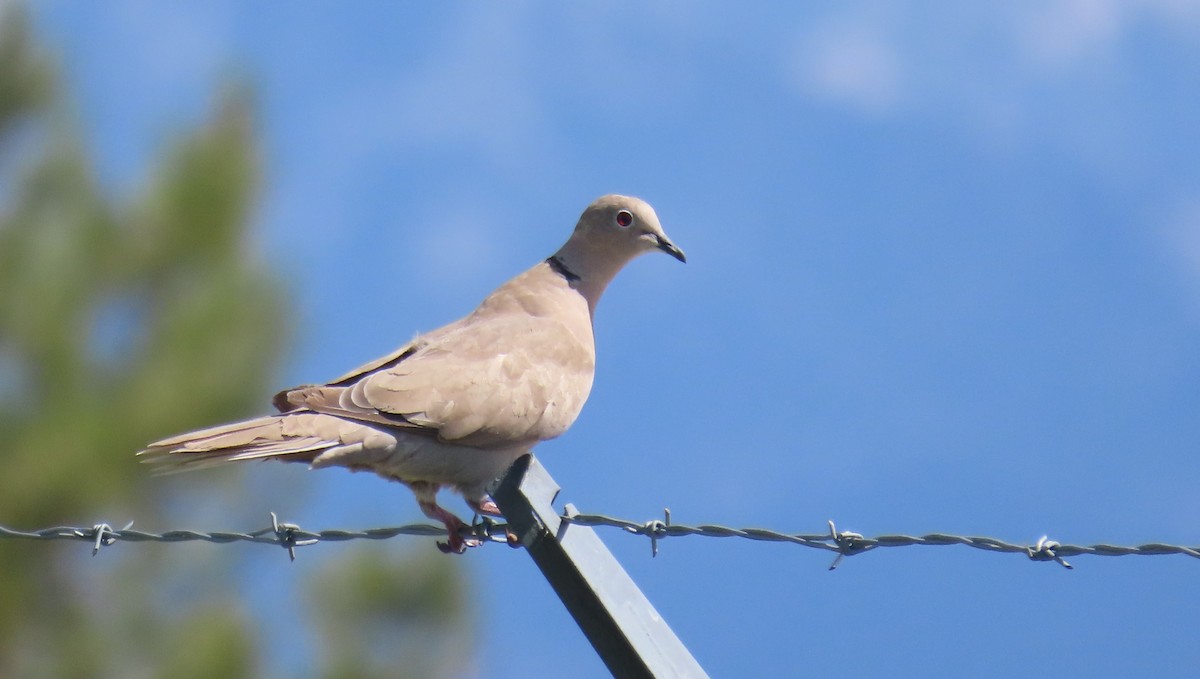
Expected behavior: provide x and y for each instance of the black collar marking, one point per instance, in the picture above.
(562, 270)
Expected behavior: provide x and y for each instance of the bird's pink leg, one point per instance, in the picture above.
(427, 499)
(455, 543)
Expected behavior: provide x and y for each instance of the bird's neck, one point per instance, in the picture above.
(587, 269)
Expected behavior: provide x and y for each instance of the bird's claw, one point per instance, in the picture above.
(458, 544)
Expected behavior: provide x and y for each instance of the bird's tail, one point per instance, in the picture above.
(288, 437)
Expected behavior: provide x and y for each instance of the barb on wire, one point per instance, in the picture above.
(842, 543)
(848, 544)
(286, 534)
(1047, 550)
(105, 535)
(654, 529)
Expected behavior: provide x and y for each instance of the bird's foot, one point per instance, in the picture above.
(455, 542)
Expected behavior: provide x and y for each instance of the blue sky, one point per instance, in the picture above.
(944, 275)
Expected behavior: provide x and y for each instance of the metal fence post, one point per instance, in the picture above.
(629, 635)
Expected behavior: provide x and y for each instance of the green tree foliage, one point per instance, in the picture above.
(121, 321)
(362, 636)
(106, 308)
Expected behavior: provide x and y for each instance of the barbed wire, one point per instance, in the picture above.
(846, 543)
(843, 543)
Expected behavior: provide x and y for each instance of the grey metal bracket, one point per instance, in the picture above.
(630, 636)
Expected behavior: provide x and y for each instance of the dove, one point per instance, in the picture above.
(455, 407)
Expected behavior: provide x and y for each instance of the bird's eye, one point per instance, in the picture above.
(624, 218)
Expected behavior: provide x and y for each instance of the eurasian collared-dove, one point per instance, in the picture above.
(456, 406)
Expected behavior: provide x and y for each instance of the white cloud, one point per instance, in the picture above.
(471, 91)
(1060, 34)
(877, 59)
(853, 63)
(1067, 33)
(1182, 242)
(458, 249)
(168, 44)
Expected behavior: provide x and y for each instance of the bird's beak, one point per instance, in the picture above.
(670, 248)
